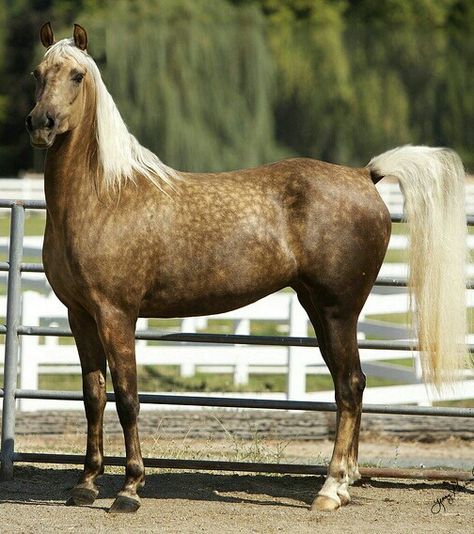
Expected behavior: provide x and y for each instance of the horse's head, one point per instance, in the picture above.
(60, 87)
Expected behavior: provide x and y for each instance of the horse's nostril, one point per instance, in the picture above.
(45, 121)
(49, 121)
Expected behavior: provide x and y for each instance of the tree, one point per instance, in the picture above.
(455, 102)
(3, 21)
(213, 85)
(20, 21)
(397, 49)
(314, 97)
(193, 79)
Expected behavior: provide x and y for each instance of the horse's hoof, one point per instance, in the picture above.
(82, 496)
(125, 505)
(354, 477)
(322, 503)
(345, 498)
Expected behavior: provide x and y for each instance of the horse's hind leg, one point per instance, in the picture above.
(93, 365)
(349, 384)
(117, 333)
(336, 330)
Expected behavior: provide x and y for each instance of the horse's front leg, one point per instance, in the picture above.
(117, 332)
(93, 363)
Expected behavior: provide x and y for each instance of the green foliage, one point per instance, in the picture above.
(315, 98)
(214, 85)
(403, 56)
(199, 83)
(455, 101)
(3, 99)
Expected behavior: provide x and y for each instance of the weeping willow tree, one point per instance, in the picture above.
(193, 79)
(219, 84)
(380, 114)
(314, 97)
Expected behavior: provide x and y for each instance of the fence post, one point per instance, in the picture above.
(188, 367)
(296, 381)
(17, 226)
(241, 369)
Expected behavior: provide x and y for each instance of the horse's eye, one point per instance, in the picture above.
(78, 77)
(35, 73)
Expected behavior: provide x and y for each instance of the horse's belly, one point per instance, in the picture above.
(185, 306)
(194, 291)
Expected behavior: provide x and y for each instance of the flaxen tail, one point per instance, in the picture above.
(432, 182)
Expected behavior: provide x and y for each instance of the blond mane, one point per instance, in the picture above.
(120, 155)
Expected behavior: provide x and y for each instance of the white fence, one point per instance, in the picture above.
(392, 196)
(22, 188)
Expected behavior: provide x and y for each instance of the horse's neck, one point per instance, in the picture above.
(71, 170)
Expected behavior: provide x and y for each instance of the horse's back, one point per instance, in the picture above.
(329, 224)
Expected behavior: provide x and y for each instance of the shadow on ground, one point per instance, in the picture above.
(40, 485)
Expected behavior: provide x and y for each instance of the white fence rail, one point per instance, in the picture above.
(392, 196)
(22, 188)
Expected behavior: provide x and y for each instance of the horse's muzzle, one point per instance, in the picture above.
(42, 129)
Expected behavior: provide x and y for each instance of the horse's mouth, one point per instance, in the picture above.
(43, 138)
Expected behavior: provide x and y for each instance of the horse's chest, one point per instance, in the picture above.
(61, 270)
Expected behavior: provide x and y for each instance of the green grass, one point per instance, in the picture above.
(396, 256)
(464, 403)
(404, 318)
(4, 225)
(405, 362)
(399, 228)
(167, 379)
(34, 223)
(402, 228)
(395, 318)
(34, 226)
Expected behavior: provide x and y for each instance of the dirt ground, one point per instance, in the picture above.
(189, 502)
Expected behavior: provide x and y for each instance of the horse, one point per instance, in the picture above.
(128, 236)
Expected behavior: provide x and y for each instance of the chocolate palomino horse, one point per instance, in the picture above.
(127, 236)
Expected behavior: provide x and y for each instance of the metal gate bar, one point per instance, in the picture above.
(233, 339)
(250, 467)
(10, 367)
(262, 404)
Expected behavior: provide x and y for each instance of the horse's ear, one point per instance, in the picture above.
(46, 35)
(80, 37)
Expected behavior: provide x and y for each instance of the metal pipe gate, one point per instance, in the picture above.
(10, 392)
